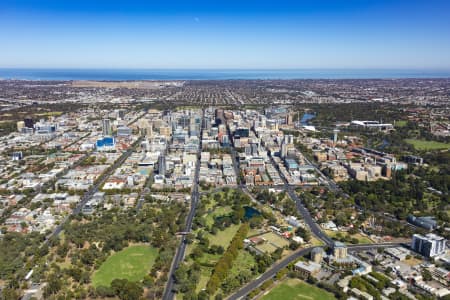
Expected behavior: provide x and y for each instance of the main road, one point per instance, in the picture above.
(313, 226)
(94, 189)
(179, 255)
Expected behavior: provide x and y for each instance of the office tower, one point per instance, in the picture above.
(289, 139)
(222, 128)
(284, 149)
(206, 124)
(262, 121)
(225, 140)
(29, 123)
(317, 255)
(430, 245)
(18, 155)
(184, 121)
(254, 149)
(20, 126)
(107, 131)
(287, 143)
(339, 250)
(162, 165)
(248, 150)
(165, 131)
(335, 136)
(289, 119)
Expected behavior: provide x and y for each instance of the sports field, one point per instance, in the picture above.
(274, 242)
(296, 289)
(427, 145)
(131, 263)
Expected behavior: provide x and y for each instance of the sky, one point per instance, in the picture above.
(245, 34)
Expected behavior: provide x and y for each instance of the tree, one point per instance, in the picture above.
(54, 284)
(9, 294)
(426, 275)
(148, 281)
(104, 291)
(303, 233)
(203, 295)
(127, 290)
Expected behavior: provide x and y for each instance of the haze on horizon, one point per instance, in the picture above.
(230, 34)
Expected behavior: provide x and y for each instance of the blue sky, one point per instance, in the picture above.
(225, 34)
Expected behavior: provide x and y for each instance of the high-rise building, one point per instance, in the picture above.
(248, 150)
(287, 143)
(18, 155)
(29, 123)
(289, 139)
(335, 136)
(254, 149)
(225, 140)
(121, 114)
(284, 149)
(289, 119)
(165, 130)
(430, 245)
(222, 128)
(162, 165)
(317, 255)
(107, 130)
(20, 126)
(339, 250)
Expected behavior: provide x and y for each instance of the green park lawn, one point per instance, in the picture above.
(132, 263)
(244, 261)
(296, 289)
(361, 238)
(205, 274)
(224, 237)
(219, 211)
(427, 145)
(401, 123)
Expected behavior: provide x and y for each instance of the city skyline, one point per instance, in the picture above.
(202, 35)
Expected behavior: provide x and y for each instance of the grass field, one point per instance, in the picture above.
(209, 258)
(297, 290)
(224, 237)
(315, 242)
(361, 238)
(274, 242)
(244, 261)
(279, 241)
(132, 263)
(205, 274)
(219, 211)
(401, 123)
(266, 248)
(427, 145)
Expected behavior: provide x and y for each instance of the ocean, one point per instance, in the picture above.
(215, 74)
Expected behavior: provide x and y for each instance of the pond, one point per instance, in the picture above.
(250, 212)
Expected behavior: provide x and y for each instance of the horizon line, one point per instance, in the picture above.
(234, 68)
